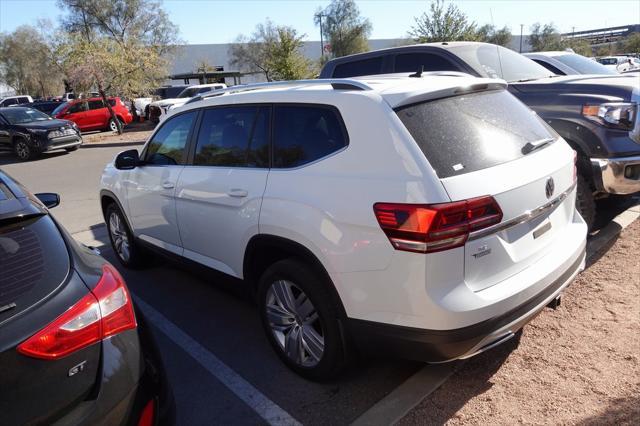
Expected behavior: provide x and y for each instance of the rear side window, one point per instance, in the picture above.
(234, 137)
(168, 144)
(23, 100)
(302, 134)
(413, 62)
(96, 104)
(371, 66)
(467, 133)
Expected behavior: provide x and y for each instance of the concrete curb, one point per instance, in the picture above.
(111, 144)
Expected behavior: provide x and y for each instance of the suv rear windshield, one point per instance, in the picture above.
(467, 133)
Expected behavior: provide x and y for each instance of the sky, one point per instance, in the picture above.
(221, 21)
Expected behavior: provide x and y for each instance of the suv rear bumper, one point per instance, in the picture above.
(437, 346)
(617, 175)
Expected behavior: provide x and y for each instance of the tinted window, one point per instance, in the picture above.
(78, 107)
(303, 134)
(168, 144)
(466, 133)
(23, 100)
(96, 104)
(59, 108)
(413, 62)
(370, 66)
(549, 66)
(493, 61)
(234, 137)
(584, 65)
(8, 102)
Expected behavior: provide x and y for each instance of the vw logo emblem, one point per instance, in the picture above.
(549, 187)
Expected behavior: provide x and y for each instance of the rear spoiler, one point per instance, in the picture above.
(452, 91)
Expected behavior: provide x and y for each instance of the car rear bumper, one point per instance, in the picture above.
(619, 175)
(437, 346)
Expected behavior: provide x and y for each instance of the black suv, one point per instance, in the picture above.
(596, 115)
(28, 133)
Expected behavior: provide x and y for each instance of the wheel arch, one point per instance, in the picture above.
(107, 197)
(264, 249)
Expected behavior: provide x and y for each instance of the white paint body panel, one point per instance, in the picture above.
(327, 207)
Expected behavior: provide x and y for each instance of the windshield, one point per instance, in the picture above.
(23, 115)
(189, 92)
(493, 61)
(584, 65)
(59, 108)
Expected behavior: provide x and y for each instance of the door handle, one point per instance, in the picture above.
(167, 185)
(238, 192)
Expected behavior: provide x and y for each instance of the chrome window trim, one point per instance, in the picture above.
(525, 217)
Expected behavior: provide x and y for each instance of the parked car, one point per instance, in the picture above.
(15, 100)
(597, 116)
(430, 217)
(72, 348)
(159, 109)
(619, 64)
(567, 63)
(92, 114)
(44, 106)
(28, 133)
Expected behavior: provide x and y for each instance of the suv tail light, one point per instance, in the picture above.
(430, 228)
(105, 311)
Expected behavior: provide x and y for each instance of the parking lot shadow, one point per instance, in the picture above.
(472, 378)
(9, 158)
(621, 411)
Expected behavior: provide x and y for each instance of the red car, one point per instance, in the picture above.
(92, 114)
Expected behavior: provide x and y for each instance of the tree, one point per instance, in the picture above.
(120, 46)
(272, 50)
(545, 37)
(581, 47)
(344, 28)
(443, 24)
(632, 43)
(26, 63)
(489, 34)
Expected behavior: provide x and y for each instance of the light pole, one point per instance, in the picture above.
(521, 26)
(320, 15)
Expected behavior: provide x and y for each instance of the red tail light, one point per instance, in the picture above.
(429, 228)
(148, 414)
(106, 311)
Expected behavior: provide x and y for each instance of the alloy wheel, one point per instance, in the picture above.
(119, 237)
(22, 150)
(295, 323)
(113, 126)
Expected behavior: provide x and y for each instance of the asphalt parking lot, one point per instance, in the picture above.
(218, 359)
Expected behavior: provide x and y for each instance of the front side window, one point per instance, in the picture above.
(303, 134)
(584, 65)
(234, 137)
(548, 66)
(167, 146)
(9, 102)
(97, 104)
(78, 107)
(414, 62)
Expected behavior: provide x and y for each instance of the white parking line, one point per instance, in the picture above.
(263, 406)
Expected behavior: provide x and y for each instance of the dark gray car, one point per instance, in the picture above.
(73, 349)
(596, 115)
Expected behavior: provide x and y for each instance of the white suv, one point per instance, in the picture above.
(429, 218)
(158, 110)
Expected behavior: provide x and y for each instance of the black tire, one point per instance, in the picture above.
(585, 202)
(23, 150)
(334, 354)
(73, 148)
(137, 257)
(111, 124)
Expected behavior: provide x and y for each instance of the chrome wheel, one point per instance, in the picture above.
(119, 236)
(295, 323)
(22, 150)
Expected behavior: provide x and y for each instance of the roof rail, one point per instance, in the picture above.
(336, 83)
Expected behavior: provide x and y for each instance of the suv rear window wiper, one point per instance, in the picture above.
(532, 146)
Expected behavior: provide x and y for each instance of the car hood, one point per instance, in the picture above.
(615, 86)
(47, 125)
(170, 101)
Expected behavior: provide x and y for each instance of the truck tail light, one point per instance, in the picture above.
(430, 228)
(105, 311)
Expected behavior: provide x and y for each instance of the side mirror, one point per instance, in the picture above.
(49, 199)
(127, 160)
